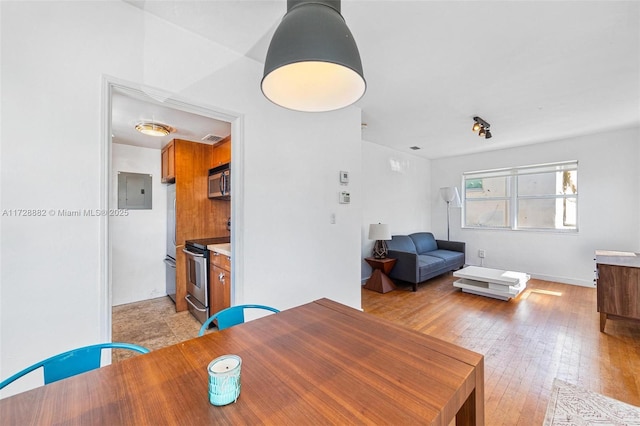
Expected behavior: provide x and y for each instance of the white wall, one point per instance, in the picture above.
(608, 206)
(138, 240)
(292, 253)
(395, 191)
(52, 73)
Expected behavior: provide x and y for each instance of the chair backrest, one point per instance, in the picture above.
(72, 362)
(231, 316)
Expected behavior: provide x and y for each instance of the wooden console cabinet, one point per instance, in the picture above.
(618, 285)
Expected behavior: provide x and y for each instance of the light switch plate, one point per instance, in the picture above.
(344, 177)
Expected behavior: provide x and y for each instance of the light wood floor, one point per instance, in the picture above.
(551, 330)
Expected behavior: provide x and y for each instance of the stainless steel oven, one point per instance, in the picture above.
(197, 261)
(197, 270)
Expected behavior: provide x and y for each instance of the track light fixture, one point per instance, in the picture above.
(482, 127)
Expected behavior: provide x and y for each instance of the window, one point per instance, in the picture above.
(541, 197)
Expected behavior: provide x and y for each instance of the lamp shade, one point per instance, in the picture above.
(313, 63)
(450, 195)
(379, 231)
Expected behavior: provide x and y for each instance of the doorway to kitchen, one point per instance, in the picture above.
(130, 239)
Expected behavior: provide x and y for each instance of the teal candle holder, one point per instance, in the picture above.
(224, 379)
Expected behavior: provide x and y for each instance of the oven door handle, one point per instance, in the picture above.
(194, 306)
(190, 253)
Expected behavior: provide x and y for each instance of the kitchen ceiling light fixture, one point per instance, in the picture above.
(482, 127)
(313, 63)
(153, 128)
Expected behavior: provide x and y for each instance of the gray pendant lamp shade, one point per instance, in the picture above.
(313, 63)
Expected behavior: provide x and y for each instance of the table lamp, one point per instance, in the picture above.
(380, 233)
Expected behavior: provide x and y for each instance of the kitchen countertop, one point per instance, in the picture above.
(224, 249)
(618, 258)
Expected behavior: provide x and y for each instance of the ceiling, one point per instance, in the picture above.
(536, 71)
(129, 107)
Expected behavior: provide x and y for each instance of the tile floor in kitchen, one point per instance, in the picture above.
(152, 323)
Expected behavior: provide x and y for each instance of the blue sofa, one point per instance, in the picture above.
(421, 257)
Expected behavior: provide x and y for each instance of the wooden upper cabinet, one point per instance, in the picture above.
(169, 163)
(222, 152)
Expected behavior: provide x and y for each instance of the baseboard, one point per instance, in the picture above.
(564, 280)
(556, 279)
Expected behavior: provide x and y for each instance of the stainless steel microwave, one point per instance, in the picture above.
(219, 186)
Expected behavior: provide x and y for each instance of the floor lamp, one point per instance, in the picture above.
(450, 195)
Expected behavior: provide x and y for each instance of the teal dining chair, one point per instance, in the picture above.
(232, 316)
(72, 362)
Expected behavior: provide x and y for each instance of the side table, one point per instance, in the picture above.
(379, 281)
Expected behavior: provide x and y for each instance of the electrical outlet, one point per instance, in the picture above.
(481, 254)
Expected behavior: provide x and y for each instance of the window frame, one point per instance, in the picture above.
(511, 174)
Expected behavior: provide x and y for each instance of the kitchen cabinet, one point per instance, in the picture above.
(220, 282)
(196, 216)
(169, 163)
(222, 152)
(618, 285)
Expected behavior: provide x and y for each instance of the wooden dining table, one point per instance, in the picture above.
(318, 363)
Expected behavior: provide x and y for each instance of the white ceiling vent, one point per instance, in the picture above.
(212, 138)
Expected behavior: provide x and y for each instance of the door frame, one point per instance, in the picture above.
(109, 83)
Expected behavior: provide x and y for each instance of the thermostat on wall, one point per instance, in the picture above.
(344, 177)
(344, 197)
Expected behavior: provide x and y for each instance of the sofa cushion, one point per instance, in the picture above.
(424, 242)
(451, 258)
(428, 264)
(401, 243)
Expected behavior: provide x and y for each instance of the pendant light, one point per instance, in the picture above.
(313, 63)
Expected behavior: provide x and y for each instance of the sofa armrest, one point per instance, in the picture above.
(406, 267)
(451, 245)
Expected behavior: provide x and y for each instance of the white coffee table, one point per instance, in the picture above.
(488, 282)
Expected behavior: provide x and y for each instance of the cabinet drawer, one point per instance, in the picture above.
(221, 260)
